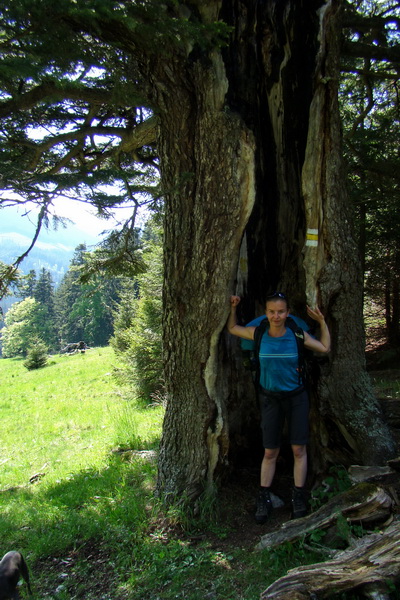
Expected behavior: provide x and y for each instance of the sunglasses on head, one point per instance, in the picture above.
(276, 295)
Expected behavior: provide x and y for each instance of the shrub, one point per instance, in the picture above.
(37, 356)
(138, 330)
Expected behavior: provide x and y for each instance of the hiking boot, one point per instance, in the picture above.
(299, 503)
(264, 506)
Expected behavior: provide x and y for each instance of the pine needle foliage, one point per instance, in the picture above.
(37, 356)
(369, 98)
(73, 95)
(138, 326)
(120, 254)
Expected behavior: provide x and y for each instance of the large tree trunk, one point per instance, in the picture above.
(208, 176)
(251, 169)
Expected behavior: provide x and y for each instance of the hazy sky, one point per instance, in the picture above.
(82, 215)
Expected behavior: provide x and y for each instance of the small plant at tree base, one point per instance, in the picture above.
(37, 355)
(336, 482)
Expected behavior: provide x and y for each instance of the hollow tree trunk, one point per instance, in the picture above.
(250, 144)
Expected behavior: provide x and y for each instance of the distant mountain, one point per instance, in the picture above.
(52, 251)
(54, 257)
(11, 220)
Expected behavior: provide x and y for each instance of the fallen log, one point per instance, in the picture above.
(363, 503)
(368, 565)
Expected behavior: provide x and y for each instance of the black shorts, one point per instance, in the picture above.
(275, 408)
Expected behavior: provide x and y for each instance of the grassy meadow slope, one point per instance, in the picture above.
(65, 417)
(64, 479)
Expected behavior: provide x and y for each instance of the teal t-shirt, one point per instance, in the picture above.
(279, 362)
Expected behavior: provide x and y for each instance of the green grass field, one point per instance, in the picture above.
(66, 417)
(77, 483)
(77, 480)
(64, 482)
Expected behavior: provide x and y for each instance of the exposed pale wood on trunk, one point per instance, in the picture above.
(313, 176)
(362, 503)
(208, 173)
(375, 558)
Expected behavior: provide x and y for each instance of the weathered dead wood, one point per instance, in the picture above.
(363, 503)
(388, 477)
(373, 474)
(374, 559)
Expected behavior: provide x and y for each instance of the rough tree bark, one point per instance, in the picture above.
(251, 167)
(208, 176)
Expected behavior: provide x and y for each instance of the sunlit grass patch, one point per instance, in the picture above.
(61, 480)
(65, 417)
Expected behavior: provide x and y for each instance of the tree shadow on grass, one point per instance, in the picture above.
(112, 503)
(95, 515)
(98, 534)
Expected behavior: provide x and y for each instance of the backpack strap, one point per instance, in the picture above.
(299, 336)
(259, 332)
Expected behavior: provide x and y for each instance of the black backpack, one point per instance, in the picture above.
(299, 336)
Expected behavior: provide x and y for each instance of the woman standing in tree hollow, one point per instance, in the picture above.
(281, 395)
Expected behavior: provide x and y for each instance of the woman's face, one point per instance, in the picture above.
(276, 311)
